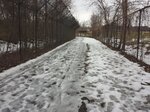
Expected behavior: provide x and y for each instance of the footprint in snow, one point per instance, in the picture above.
(114, 98)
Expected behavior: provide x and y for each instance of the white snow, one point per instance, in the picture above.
(12, 47)
(4, 47)
(131, 49)
(82, 70)
(117, 81)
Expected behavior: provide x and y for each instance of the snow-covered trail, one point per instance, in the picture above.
(113, 83)
(82, 75)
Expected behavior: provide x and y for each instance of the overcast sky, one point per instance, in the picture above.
(81, 10)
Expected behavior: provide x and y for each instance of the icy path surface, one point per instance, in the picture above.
(82, 75)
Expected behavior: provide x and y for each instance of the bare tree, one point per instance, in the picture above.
(96, 24)
(68, 3)
(36, 23)
(125, 13)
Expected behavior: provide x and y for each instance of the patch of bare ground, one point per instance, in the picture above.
(83, 108)
(86, 59)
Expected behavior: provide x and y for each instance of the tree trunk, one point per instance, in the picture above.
(125, 14)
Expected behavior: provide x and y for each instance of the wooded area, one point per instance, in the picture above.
(34, 25)
(123, 24)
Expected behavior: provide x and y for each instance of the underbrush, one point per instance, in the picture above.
(11, 59)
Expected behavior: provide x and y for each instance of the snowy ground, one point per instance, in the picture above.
(11, 47)
(131, 49)
(4, 48)
(144, 53)
(82, 74)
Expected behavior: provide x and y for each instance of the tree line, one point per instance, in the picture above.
(35, 27)
(115, 21)
(36, 22)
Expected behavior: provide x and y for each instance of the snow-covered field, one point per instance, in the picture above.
(4, 48)
(82, 74)
(131, 49)
(144, 53)
(11, 47)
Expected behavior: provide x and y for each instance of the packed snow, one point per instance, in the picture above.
(82, 74)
